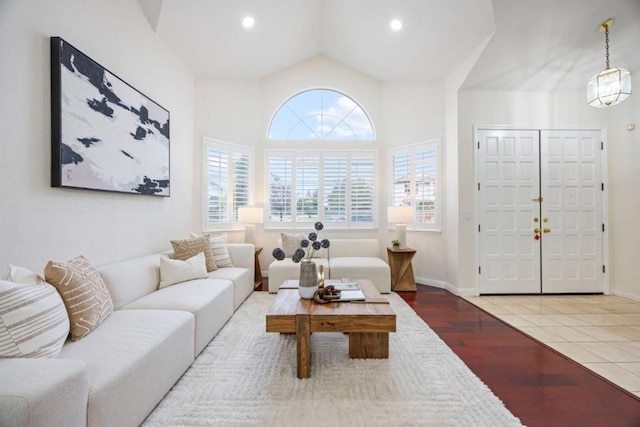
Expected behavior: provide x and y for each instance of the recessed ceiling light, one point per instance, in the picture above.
(396, 24)
(248, 22)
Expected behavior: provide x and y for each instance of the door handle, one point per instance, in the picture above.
(537, 230)
(546, 230)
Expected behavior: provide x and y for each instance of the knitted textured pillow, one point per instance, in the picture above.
(83, 291)
(184, 249)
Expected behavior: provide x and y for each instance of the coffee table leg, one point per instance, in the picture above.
(303, 338)
(369, 345)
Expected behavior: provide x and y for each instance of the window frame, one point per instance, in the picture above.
(302, 119)
(231, 149)
(321, 154)
(412, 150)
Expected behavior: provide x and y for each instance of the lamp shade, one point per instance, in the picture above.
(250, 215)
(609, 87)
(400, 214)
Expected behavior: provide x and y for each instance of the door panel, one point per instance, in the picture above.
(563, 168)
(509, 176)
(572, 201)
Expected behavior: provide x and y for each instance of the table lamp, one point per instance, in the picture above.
(401, 216)
(250, 217)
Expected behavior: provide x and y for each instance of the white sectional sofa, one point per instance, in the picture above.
(345, 258)
(117, 374)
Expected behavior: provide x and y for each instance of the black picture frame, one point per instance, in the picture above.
(105, 134)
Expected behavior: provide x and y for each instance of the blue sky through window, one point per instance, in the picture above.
(321, 114)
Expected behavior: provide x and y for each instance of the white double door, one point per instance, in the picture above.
(539, 213)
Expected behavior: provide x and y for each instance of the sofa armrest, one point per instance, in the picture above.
(43, 392)
(242, 255)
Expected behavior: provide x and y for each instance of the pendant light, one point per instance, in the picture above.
(610, 86)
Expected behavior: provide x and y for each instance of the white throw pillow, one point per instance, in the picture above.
(23, 275)
(174, 271)
(33, 320)
(220, 251)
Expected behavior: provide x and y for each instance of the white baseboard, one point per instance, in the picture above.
(446, 285)
(628, 295)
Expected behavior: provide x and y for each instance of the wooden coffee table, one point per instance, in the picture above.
(368, 322)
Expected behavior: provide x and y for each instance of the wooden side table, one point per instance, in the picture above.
(402, 278)
(257, 276)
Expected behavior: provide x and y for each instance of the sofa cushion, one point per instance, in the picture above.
(242, 279)
(174, 271)
(183, 249)
(33, 320)
(210, 301)
(132, 359)
(353, 267)
(43, 392)
(354, 247)
(132, 279)
(83, 291)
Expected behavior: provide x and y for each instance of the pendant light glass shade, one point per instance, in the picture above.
(609, 87)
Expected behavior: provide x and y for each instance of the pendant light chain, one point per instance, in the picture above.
(606, 38)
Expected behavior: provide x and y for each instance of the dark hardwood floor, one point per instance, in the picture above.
(537, 384)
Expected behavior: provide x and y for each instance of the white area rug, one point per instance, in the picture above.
(247, 377)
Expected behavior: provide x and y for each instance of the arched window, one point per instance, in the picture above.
(321, 114)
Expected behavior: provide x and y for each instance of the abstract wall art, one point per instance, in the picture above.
(105, 135)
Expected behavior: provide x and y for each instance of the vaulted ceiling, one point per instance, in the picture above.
(533, 45)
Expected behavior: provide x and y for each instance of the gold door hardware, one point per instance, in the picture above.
(536, 230)
(538, 199)
(545, 219)
(546, 230)
(535, 219)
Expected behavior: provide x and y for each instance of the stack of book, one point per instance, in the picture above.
(349, 291)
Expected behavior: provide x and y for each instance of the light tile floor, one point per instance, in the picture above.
(601, 332)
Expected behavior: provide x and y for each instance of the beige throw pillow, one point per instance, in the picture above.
(33, 320)
(174, 271)
(291, 242)
(184, 249)
(83, 291)
(220, 251)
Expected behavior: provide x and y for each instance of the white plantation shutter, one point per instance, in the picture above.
(307, 189)
(333, 187)
(227, 170)
(361, 189)
(414, 180)
(218, 185)
(280, 169)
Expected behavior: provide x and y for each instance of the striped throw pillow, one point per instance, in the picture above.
(83, 291)
(33, 320)
(220, 251)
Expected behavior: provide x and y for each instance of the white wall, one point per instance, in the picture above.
(38, 222)
(562, 109)
(624, 193)
(240, 112)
